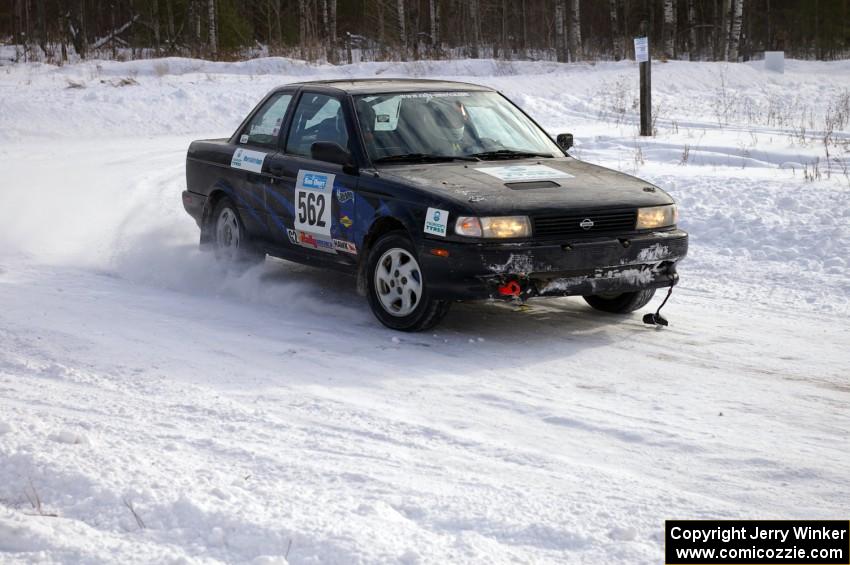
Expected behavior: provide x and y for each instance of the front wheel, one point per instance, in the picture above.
(398, 293)
(621, 303)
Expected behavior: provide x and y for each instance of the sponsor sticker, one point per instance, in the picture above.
(435, 94)
(436, 221)
(247, 160)
(293, 237)
(344, 196)
(524, 172)
(310, 240)
(244, 138)
(346, 221)
(345, 246)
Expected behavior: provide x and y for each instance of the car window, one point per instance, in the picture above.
(318, 117)
(264, 127)
(458, 124)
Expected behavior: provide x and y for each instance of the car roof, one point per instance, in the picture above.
(384, 85)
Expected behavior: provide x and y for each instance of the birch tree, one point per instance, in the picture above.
(302, 27)
(617, 42)
(402, 29)
(735, 30)
(575, 30)
(213, 31)
(560, 39)
(475, 12)
(692, 30)
(669, 30)
(434, 18)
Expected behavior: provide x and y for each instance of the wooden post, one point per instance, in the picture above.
(645, 82)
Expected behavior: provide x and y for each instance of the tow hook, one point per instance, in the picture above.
(657, 319)
(510, 288)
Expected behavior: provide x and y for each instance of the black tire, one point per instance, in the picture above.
(426, 313)
(621, 303)
(231, 244)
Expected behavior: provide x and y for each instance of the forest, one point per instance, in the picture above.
(344, 31)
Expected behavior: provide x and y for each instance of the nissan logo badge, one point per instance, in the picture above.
(586, 224)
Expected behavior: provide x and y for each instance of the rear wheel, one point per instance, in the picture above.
(230, 241)
(398, 293)
(622, 303)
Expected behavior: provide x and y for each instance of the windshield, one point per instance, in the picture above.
(472, 125)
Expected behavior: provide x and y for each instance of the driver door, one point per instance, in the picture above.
(315, 199)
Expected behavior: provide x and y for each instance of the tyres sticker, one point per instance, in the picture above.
(524, 172)
(247, 160)
(436, 222)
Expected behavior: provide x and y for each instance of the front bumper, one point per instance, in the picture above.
(578, 267)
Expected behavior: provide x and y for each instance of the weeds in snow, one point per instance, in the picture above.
(35, 501)
(135, 514)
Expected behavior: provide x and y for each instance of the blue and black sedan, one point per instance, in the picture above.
(429, 192)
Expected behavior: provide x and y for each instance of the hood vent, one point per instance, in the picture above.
(532, 185)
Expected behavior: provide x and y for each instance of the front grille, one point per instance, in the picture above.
(604, 223)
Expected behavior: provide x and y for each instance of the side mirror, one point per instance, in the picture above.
(331, 152)
(565, 141)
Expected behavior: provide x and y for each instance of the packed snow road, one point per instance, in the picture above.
(155, 407)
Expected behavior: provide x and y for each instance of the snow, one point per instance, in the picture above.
(161, 408)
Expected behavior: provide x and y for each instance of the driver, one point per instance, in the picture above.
(453, 121)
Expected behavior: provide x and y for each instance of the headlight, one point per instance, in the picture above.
(657, 217)
(496, 227)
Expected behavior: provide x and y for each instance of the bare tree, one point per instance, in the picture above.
(560, 38)
(475, 18)
(735, 30)
(213, 31)
(302, 27)
(669, 30)
(402, 29)
(575, 30)
(617, 39)
(155, 24)
(692, 30)
(434, 18)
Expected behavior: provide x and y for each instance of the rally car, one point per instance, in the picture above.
(429, 192)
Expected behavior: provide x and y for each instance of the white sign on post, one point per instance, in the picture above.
(641, 49)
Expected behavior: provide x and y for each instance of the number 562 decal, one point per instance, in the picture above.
(313, 193)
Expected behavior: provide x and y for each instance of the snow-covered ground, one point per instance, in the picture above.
(155, 408)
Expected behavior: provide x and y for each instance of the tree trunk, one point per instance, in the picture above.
(735, 30)
(617, 39)
(169, 14)
(155, 22)
(326, 32)
(560, 39)
(723, 30)
(692, 30)
(432, 15)
(213, 30)
(402, 29)
(669, 30)
(525, 28)
(302, 27)
(332, 18)
(475, 13)
(575, 30)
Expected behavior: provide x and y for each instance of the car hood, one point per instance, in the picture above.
(528, 186)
